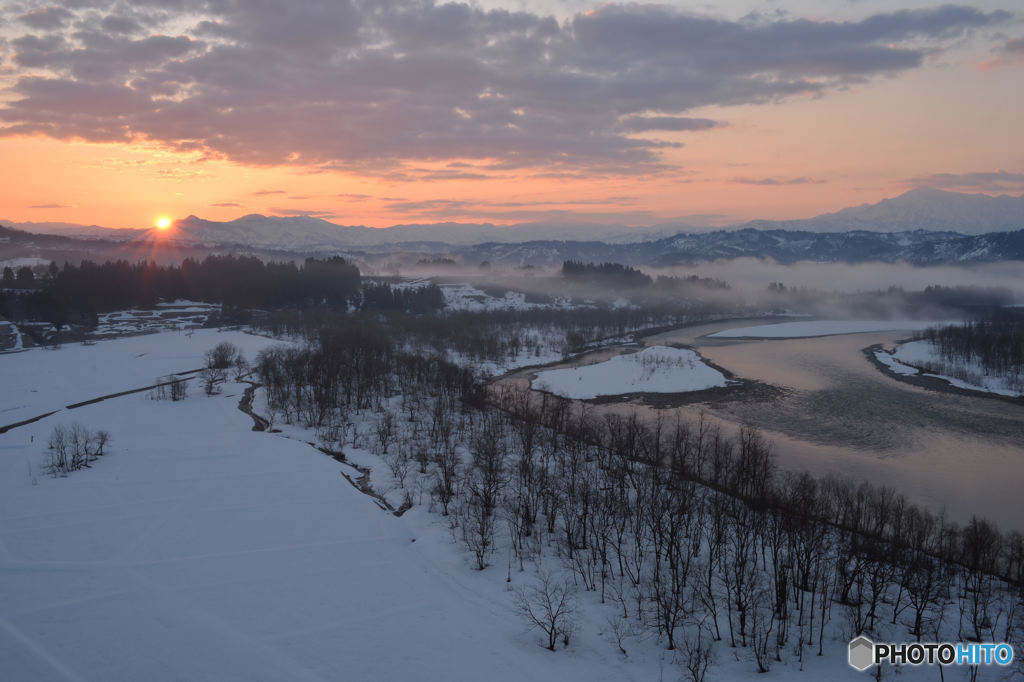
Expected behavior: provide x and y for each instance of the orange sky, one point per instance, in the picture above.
(958, 113)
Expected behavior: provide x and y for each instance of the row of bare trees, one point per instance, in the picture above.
(995, 342)
(74, 447)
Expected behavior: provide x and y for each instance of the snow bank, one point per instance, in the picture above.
(657, 369)
(798, 330)
(894, 365)
(910, 358)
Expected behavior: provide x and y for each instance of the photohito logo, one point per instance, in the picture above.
(864, 653)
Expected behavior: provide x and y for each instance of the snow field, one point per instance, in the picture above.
(198, 549)
(39, 380)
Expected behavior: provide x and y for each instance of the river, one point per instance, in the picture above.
(838, 413)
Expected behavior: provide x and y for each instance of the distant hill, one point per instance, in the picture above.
(75, 230)
(307, 233)
(919, 247)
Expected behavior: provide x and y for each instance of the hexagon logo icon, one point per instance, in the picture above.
(862, 653)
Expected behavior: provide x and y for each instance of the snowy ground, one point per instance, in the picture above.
(657, 369)
(197, 549)
(798, 330)
(233, 555)
(39, 380)
(921, 357)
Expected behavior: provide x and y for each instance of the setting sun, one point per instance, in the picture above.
(163, 223)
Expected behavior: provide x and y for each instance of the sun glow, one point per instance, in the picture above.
(163, 223)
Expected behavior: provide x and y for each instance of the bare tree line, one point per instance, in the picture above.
(995, 342)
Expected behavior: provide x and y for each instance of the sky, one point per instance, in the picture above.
(381, 112)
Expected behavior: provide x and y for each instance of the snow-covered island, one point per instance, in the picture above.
(811, 328)
(658, 369)
(922, 358)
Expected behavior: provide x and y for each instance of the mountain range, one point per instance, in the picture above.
(922, 226)
(919, 209)
(919, 247)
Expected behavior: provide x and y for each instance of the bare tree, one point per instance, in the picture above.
(223, 355)
(399, 464)
(211, 379)
(385, 430)
(100, 440)
(697, 653)
(484, 481)
(58, 445)
(241, 367)
(446, 476)
(550, 606)
(178, 387)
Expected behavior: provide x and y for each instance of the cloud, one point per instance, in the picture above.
(302, 213)
(978, 181)
(472, 207)
(1008, 53)
(227, 204)
(179, 173)
(50, 206)
(802, 180)
(524, 211)
(384, 88)
(46, 18)
(267, 192)
(640, 124)
(440, 206)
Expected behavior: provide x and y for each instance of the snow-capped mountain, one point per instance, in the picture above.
(918, 209)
